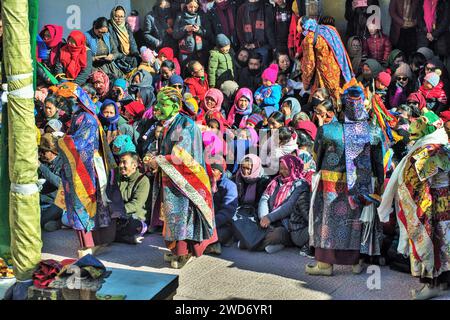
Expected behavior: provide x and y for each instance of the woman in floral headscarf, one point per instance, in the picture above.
(100, 81)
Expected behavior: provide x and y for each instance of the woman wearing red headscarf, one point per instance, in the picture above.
(75, 59)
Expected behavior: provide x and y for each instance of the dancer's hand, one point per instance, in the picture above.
(264, 222)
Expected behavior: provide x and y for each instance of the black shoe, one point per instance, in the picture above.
(157, 230)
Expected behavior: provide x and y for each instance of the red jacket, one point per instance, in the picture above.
(197, 88)
(378, 47)
(295, 38)
(437, 93)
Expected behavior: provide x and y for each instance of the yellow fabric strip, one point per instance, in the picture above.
(332, 176)
(193, 165)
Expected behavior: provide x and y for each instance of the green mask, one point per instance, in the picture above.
(165, 107)
(425, 125)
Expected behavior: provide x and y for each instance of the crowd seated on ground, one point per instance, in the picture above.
(265, 89)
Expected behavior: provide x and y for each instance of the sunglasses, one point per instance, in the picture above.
(178, 86)
(402, 78)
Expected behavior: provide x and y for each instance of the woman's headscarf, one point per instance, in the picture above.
(74, 58)
(354, 55)
(309, 127)
(213, 144)
(168, 53)
(136, 110)
(110, 123)
(249, 194)
(145, 87)
(56, 36)
(217, 96)
(254, 138)
(295, 107)
(100, 76)
(145, 77)
(242, 93)
(218, 116)
(392, 56)
(121, 31)
(295, 166)
(418, 97)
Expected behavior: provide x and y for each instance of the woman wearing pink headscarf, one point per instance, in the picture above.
(241, 109)
(250, 181)
(284, 204)
(213, 100)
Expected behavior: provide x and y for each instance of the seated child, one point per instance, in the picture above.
(268, 96)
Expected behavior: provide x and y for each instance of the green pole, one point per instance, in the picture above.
(5, 240)
(24, 210)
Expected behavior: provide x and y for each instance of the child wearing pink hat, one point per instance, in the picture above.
(382, 83)
(268, 96)
(148, 58)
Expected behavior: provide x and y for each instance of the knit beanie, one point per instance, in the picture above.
(190, 104)
(432, 78)
(133, 21)
(404, 70)
(271, 73)
(255, 119)
(176, 79)
(384, 78)
(147, 55)
(55, 124)
(123, 144)
(229, 88)
(121, 83)
(222, 40)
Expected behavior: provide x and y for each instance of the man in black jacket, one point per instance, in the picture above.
(255, 28)
(50, 170)
(250, 76)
